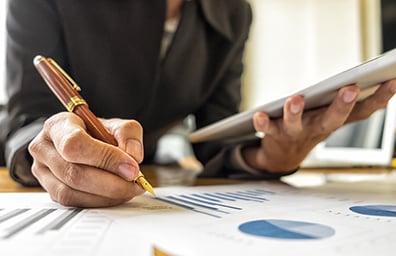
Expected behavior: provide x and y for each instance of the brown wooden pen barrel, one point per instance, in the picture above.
(93, 124)
(68, 95)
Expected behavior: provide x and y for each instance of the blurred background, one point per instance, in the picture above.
(295, 43)
(3, 4)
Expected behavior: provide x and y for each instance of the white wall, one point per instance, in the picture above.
(295, 43)
(2, 50)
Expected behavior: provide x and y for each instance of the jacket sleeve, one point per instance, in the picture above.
(223, 158)
(226, 99)
(32, 29)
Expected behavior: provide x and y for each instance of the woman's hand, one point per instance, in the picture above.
(78, 170)
(288, 140)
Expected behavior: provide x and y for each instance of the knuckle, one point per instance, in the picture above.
(49, 122)
(53, 120)
(133, 124)
(37, 150)
(326, 128)
(106, 159)
(293, 132)
(63, 195)
(130, 125)
(33, 147)
(35, 169)
(72, 175)
(72, 144)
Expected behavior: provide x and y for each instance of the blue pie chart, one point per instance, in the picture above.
(286, 229)
(375, 210)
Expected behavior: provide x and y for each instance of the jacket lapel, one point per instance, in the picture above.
(114, 42)
(216, 16)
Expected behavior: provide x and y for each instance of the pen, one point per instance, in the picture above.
(66, 89)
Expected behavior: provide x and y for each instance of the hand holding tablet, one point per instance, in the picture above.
(367, 76)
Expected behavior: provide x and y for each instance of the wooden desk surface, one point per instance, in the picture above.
(7, 184)
(304, 177)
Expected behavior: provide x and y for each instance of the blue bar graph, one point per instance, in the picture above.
(210, 202)
(216, 204)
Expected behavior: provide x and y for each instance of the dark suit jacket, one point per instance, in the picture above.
(111, 48)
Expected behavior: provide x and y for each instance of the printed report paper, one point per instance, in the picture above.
(255, 218)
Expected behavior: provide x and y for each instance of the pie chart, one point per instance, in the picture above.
(286, 229)
(375, 210)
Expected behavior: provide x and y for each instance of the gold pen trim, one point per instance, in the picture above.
(74, 102)
(143, 183)
(73, 83)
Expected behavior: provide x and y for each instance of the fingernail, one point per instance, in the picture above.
(134, 148)
(127, 171)
(261, 122)
(295, 108)
(349, 96)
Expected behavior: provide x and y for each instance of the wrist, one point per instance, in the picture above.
(256, 158)
(17, 158)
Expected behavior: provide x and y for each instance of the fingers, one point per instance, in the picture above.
(323, 121)
(297, 133)
(78, 170)
(374, 102)
(79, 185)
(261, 122)
(292, 117)
(67, 196)
(338, 111)
(129, 135)
(75, 145)
(291, 124)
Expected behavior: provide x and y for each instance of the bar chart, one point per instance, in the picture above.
(55, 229)
(217, 204)
(240, 219)
(16, 221)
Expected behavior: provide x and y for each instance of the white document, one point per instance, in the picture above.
(258, 218)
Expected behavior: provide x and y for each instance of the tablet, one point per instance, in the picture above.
(367, 75)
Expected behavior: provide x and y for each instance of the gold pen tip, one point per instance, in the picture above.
(145, 185)
(150, 190)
